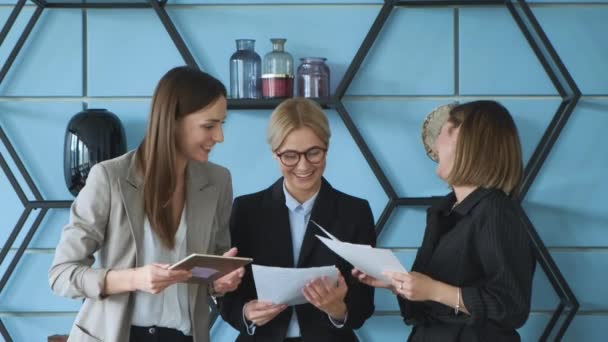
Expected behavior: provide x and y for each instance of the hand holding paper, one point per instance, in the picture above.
(372, 261)
(328, 297)
(261, 313)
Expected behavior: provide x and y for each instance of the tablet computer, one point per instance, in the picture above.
(207, 268)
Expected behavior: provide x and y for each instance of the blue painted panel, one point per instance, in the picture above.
(586, 274)
(7, 228)
(413, 55)
(222, 331)
(588, 328)
(50, 63)
(128, 51)
(28, 288)
(245, 152)
(566, 203)
(37, 131)
(405, 228)
(38, 328)
(495, 57)
(392, 129)
(578, 35)
(210, 32)
(10, 204)
(48, 233)
(534, 327)
(384, 328)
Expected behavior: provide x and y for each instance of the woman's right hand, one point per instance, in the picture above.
(154, 278)
(371, 281)
(261, 313)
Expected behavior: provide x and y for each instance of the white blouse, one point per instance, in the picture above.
(168, 309)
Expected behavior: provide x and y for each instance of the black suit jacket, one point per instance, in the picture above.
(260, 229)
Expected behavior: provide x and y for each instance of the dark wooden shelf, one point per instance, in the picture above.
(248, 104)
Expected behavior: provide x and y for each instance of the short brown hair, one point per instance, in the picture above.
(488, 150)
(296, 113)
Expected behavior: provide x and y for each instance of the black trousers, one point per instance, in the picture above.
(157, 334)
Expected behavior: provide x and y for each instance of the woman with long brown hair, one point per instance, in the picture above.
(145, 210)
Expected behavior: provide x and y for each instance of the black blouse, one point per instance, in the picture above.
(482, 246)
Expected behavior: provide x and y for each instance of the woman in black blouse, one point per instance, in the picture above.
(472, 277)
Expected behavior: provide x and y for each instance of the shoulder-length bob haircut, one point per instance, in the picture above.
(181, 91)
(296, 113)
(488, 150)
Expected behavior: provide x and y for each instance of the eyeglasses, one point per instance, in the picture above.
(313, 155)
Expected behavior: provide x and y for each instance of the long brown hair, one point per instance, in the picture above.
(488, 150)
(181, 91)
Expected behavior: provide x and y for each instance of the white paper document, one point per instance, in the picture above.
(284, 285)
(372, 261)
(324, 231)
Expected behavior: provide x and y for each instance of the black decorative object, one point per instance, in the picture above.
(92, 135)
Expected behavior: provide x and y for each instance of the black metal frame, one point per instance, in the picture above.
(526, 22)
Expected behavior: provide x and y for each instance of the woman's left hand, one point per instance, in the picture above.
(413, 286)
(230, 281)
(328, 297)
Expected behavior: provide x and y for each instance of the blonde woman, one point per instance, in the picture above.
(272, 227)
(472, 277)
(145, 210)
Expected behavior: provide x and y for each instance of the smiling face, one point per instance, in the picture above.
(198, 132)
(303, 179)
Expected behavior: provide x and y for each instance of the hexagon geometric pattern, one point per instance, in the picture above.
(526, 22)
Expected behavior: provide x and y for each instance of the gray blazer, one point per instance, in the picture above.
(106, 224)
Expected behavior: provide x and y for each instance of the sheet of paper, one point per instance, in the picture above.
(372, 261)
(284, 285)
(324, 231)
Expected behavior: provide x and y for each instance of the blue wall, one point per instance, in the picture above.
(411, 69)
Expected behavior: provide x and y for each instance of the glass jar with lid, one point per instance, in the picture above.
(245, 71)
(313, 77)
(277, 71)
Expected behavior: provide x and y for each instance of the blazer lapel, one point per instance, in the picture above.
(131, 194)
(279, 229)
(322, 213)
(201, 202)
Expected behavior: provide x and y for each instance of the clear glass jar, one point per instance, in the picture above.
(277, 71)
(313, 77)
(245, 71)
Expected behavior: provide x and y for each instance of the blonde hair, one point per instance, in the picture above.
(296, 113)
(488, 150)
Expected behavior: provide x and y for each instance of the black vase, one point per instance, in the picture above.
(92, 136)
